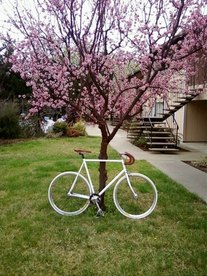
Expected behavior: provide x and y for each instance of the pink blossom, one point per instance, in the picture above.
(83, 61)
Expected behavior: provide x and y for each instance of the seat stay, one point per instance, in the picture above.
(88, 175)
(70, 192)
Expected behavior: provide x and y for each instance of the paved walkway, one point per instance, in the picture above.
(171, 164)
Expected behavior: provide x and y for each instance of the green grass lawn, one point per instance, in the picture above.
(37, 241)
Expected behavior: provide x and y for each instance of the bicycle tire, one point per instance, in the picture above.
(147, 196)
(63, 203)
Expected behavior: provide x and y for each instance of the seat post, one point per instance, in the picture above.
(82, 155)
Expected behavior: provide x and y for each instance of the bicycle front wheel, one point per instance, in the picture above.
(69, 193)
(138, 201)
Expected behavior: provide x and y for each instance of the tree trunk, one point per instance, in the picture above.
(102, 165)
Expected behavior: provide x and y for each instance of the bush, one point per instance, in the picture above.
(78, 129)
(9, 120)
(30, 127)
(141, 142)
(201, 163)
(71, 132)
(80, 126)
(60, 127)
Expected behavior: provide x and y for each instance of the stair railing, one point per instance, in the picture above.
(151, 129)
(173, 126)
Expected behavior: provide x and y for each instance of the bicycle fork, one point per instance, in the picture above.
(134, 194)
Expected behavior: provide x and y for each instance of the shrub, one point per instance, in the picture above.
(72, 132)
(201, 163)
(80, 126)
(30, 127)
(60, 127)
(9, 120)
(78, 129)
(141, 142)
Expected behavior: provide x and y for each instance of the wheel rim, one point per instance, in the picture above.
(127, 204)
(58, 194)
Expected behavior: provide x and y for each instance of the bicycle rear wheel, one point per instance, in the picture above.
(139, 206)
(69, 204)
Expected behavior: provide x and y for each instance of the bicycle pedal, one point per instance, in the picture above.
(99, 214)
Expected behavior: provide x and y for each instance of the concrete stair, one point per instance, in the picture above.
(156, 135)
(154, 130)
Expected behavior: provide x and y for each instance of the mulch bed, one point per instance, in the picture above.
(201, 168)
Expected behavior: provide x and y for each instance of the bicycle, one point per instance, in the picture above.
(134, 195)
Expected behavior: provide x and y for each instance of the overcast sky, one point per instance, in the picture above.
(6, 8)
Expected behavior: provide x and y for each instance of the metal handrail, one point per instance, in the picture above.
(150, 136)
(175, 125)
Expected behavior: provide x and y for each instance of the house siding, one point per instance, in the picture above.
(195, 123)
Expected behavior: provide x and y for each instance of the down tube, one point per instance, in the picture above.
(111, 182)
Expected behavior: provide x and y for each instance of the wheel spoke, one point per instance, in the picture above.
(140, 204)
(59, 198)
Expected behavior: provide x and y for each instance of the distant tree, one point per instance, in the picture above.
(104, 56)
(12, 86)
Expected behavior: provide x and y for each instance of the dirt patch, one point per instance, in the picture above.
(199, 167)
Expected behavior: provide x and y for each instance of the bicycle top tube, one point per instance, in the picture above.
(104, 160)
(129, 161)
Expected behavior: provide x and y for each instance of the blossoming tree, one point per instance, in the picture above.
(104, 56)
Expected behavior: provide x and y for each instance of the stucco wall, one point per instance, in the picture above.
(179, 115)
(195, 122)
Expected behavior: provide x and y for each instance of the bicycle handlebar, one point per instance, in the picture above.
(130, 158)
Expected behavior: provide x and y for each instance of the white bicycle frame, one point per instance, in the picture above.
(84, 165)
